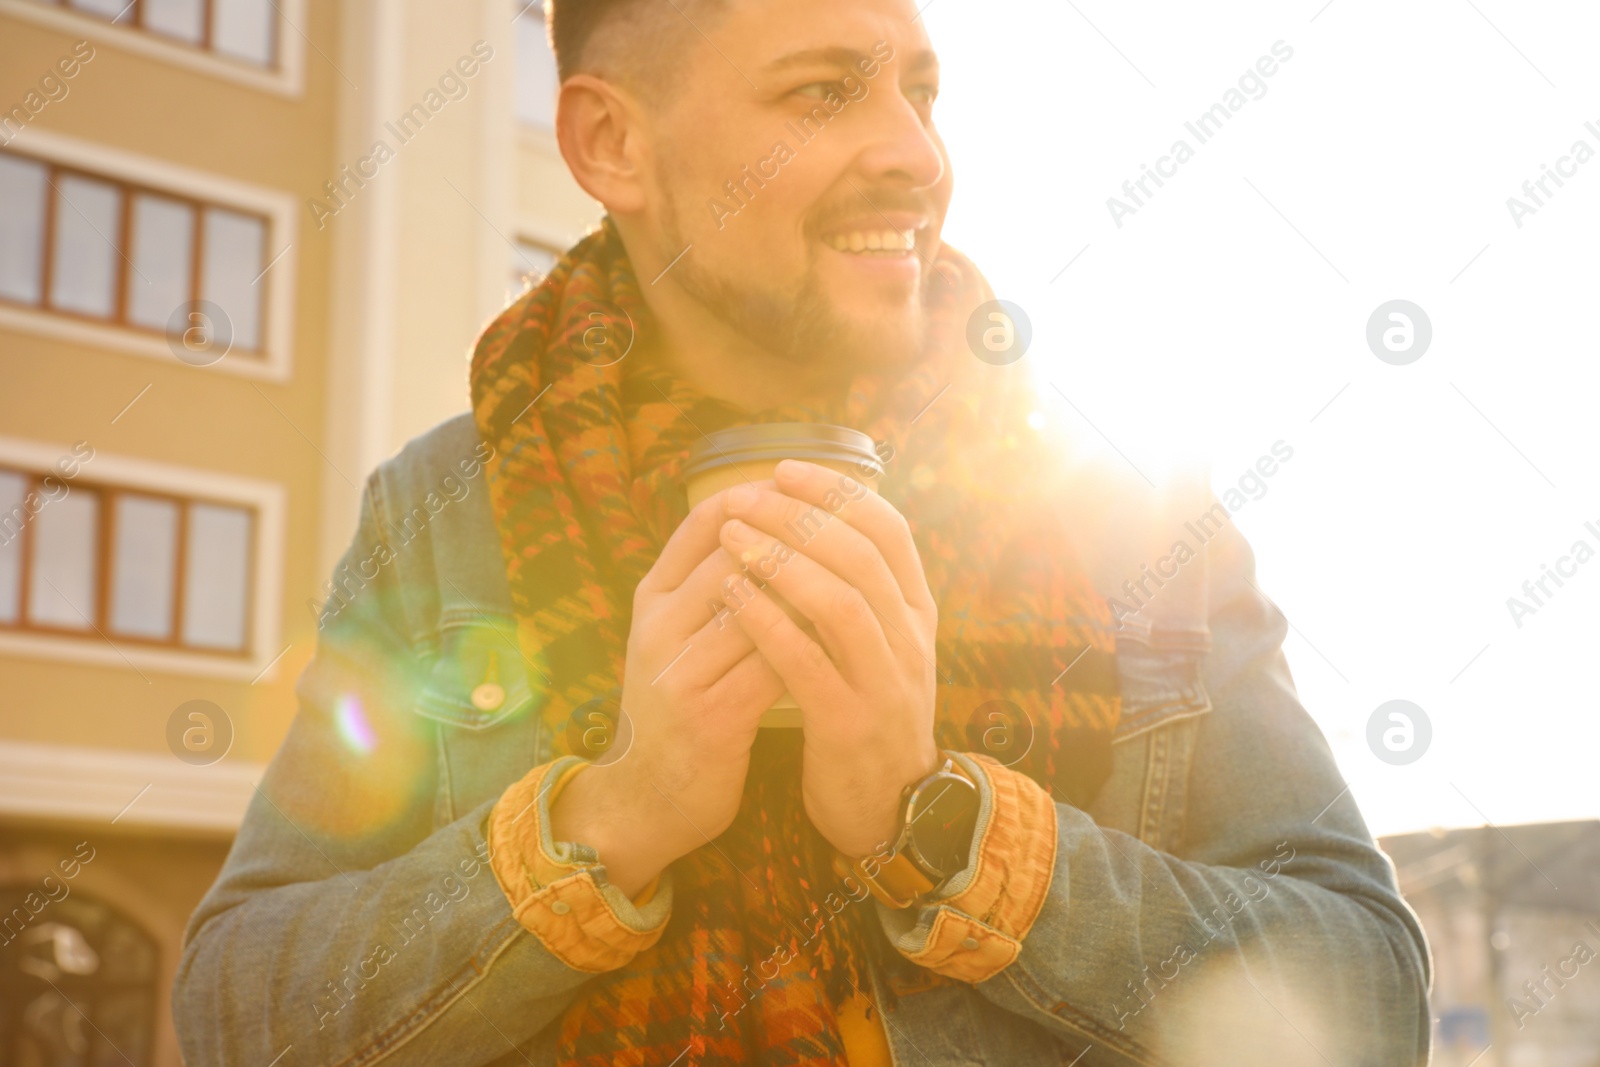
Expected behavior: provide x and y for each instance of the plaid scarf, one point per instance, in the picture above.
(586, 488)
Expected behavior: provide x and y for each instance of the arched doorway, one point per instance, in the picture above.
(77, 981)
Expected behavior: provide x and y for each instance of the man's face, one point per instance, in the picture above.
(801, 168)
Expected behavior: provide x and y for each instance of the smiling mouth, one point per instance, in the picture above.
(873, 242)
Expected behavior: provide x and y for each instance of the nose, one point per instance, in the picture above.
(903, 150)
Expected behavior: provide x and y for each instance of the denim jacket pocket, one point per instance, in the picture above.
(479, 693)
(1162, 679)
(478, 679)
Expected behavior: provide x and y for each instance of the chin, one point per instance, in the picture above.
(810, 322)
(861, 336)
(880, 344)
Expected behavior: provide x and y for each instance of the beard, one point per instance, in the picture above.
(799, 324)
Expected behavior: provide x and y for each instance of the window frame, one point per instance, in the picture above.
(108, 475)
(106, 531)
(123, 264)
(285, 77)
(133, 174)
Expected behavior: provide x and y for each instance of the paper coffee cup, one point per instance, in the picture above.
(751, 454)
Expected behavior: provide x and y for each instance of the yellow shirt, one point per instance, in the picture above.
(861, 1030)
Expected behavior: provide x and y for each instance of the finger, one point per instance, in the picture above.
(805, 668)
(850, 632)
(717, 647)
(751, 683)
(689, 544)
(836, 545)
(699, 596)
(691, 630)
(700, 661)
(852, 501)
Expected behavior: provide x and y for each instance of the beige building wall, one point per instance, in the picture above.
(58, 392)
(385, 296)
(83, 740)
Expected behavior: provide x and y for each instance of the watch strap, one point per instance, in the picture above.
(896, 881)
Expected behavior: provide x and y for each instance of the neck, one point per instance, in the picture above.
(717, 360)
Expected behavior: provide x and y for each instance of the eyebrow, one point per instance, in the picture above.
(841, 56)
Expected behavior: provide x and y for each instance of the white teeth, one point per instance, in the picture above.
(874, 241)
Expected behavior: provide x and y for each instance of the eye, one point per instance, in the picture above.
(820, 90)
(924, 94)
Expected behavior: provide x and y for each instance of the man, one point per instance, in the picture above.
(528, 814)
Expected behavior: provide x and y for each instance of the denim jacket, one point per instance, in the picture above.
(1220, 902)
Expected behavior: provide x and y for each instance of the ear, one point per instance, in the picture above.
(601, 136)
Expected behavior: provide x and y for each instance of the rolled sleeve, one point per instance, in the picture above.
(972, 927)
(557, 891)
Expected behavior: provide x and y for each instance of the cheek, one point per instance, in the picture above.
(762, 239)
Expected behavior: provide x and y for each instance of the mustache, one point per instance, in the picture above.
(873, 200)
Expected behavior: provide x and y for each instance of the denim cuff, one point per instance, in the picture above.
(558, 890)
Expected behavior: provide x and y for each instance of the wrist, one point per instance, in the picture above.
(873, 822)
(589, 811)
(925, 761)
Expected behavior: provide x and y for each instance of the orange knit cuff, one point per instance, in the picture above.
(554, 895)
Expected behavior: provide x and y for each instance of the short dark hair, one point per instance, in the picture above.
(572, 25)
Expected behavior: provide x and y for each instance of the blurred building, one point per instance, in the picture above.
(1513, 916)
(244, 248)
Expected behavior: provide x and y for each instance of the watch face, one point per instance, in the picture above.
(942, 817)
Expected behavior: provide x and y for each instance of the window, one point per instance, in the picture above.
(131, 565)
(530, 262)
(536, 77)
(242, 30)
(95, 248)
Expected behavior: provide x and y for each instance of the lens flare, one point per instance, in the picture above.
(353, 725)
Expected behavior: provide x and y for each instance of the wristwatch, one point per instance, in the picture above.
(938, 816)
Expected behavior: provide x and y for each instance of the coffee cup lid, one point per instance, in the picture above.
(815, 441)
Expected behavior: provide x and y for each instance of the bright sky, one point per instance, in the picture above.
(1230, 311)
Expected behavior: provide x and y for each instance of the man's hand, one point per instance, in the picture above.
(844, 558)
(693, 691)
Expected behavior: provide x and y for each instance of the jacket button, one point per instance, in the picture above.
(561, 907)
(969, 943)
